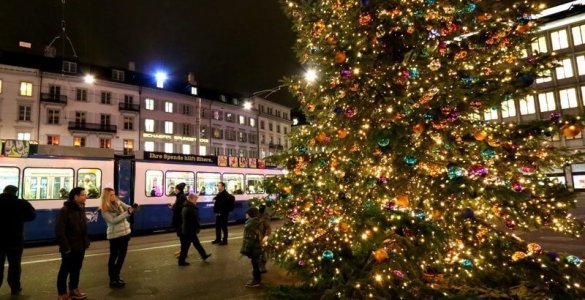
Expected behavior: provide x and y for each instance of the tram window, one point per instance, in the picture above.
(254, 184)
(8, 176)
(234, 183)
(47, 183)
(91, 181)
(175, 177)
(153, 183)
(207, 183)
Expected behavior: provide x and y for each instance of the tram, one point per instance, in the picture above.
(45, 181)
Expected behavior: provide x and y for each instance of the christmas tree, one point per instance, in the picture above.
(397, 188)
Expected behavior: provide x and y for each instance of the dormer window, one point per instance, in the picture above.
(118, 75)
(69, 67)
(223, 98)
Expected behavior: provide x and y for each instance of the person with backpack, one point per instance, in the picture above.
(223, 204)
(252, 244)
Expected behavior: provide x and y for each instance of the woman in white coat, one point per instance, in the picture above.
(116, 213)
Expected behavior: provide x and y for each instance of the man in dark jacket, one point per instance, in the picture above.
(13, 214)
(177, 209)
(190, 229)
(223, 204)
(71, 232)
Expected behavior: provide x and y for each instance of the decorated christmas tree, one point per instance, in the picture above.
(397, 187)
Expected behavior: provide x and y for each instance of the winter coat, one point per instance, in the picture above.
(265, 219)
(190, 225)
(252, 240)
(180, 200)
(13, 214)
(117, 220)
(71, 228)
(224, 203)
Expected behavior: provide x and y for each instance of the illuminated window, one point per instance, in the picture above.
(9, 176)
(168, 107)
(91, 181)
(173, 178)
(559, 39)
(47, 183)
(149, 104)
(186, 149)
(207, 183)
(545, 77)
(168, 127)
(52, 140)
(580, 64)
(193, 90)
(128, 145)
(153, 184)
(254, 184)
(234, 183)
(547, 101)
(149, 146)
(168, 147)
(106, 143)
(0, 86)
(242, 120)
(565, 70)
(578, 35)
(568, 98)
(252, 122)
(202, 150)
(26, 89)
(149, 125)
(490, 114)
(527, 106)
(23, 136)
(79, 141)
(230, 117)
(217, 115)
(508, 108)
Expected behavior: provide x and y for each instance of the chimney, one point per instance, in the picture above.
(50, 51)
(132, 66)
(191, 79)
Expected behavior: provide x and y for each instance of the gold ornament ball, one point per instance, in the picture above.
(381, 255)
(402, 201)
(493, 142)
(571, 130)
(343, 227)
(321, 137)
(341, 133)
(480, 135)
(418, 128)
(340, 57)
(311, 107)
(518, 255)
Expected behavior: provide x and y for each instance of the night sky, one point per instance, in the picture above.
(238, 46)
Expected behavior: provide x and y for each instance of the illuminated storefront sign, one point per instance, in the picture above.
(212, 160)
(171, 137)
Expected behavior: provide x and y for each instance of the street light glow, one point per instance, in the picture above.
(160, 77)
(311, 75)
(247, 105)
(89, 79)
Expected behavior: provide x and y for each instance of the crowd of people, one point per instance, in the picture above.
(73, 239)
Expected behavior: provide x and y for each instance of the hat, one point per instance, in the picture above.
(10, 189)
(180, 186)
(253, 212)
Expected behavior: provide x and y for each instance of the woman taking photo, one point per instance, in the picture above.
(116, 213)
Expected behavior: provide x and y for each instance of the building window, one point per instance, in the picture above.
(202, 150)
(508, 108)
(168, 107)
(285, 116)
(149, 146)
(24, 112)
(217, 133)
(559, 39)
(187, 110)
(118, 75)
(527, 106)
(547, 101)
(149, 104)
(242, 120)
(79, 141)
(194, 91)
(568, 98)
(230, 117)
(128, 123)
(168, 127)
(69, 67)
(203, 132)
(578, 35)
(149, 125)
(262, 139)
(52, 140)
(490, 114)
(106, 98)
(53, 116)
(217, 150)
(26, 88)
(80, 118)
(277, 128)
(261, 124)
(186, 129)
(217, 115)
(23, 136)
(106, 143)
(81, 95)
(168, 147)
(270, 126)
(128, 99)
(0, 86)
(128, 146)
(252, 122)
(565, 70)
(546, 77)
(242, 137)
(186, 149)
(285, 129)
(105, 119)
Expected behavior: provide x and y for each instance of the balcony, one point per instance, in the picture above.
(53, 98)
(82, 126)
(274, 146)
(129, 107)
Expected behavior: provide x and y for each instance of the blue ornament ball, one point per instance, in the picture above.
(455, 172)
(488, 152)
(365, 2)
(338, 110)
(419, 214)
(383, 141)
(413, 73)
(467, 213)
(327, 255)
(466, 263)
(302, 149)
(410, 160)
(572, 259)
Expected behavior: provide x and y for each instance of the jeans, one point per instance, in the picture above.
(186, 242)
(70, 266)
(255, 260)
(221, 222)
(118, 249)
(14, 255)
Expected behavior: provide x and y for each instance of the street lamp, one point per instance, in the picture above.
(89, 79)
